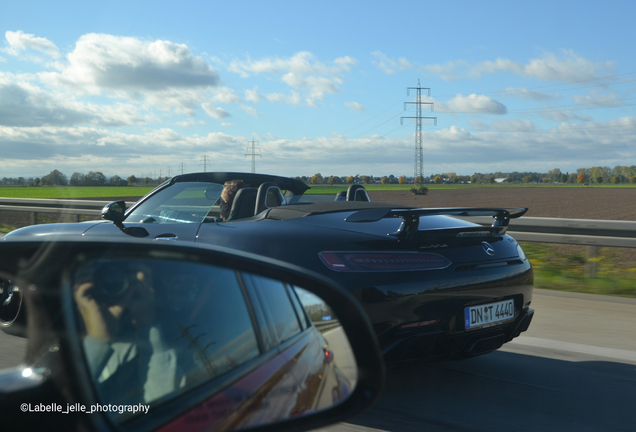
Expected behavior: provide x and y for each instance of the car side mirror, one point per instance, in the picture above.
(178, 337)
(114, 211)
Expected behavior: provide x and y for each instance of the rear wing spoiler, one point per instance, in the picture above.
(411, 218)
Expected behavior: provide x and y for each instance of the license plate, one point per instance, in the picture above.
(478, 316)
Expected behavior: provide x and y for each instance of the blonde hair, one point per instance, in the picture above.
(230, 189)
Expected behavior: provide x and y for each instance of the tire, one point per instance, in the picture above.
(12, 315)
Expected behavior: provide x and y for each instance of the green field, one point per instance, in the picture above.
(62, 192)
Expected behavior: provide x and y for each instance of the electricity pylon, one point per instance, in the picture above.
(253, 153)
(419, 157)
(204, 162)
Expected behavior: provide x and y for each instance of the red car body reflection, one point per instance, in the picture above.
(302, 378)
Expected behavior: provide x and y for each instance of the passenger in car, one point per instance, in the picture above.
(227, 196)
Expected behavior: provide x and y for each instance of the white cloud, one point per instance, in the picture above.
(525, 93)
(38, 150)
(451, 71)
(514, 125)
(566, 67)
(20, 41)
(181, 101)
(217, 113)
(316, 86)
(300, 63)
(130, 66)
(190, 123)
(226, 124)
(26, 105)
(293, 98)
(225, 95)
(473, 103)
(563, 115)
(276, 97)
(598, 99)
(252, 95)
(389, 65)
(250, 110)
(354, 106)
(302, 71)
(345, 62)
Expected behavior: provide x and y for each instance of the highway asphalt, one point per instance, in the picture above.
(573, 370)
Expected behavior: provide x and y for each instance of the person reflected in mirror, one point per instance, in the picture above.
(127, 355)
(230, 189)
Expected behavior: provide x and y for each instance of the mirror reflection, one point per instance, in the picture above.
(255, 350)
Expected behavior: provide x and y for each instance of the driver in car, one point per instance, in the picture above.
(124, 346)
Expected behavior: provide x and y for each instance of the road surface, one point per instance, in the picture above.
(573, 370)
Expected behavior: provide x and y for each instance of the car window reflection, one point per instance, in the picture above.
(154, 329)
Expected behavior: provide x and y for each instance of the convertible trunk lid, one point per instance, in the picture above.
(414, 230)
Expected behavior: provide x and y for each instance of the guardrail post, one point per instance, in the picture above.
(592, 261)
(34, 218)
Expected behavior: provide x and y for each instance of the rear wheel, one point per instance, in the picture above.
(11, 314)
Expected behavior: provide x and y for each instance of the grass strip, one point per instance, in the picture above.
(64, 192)
(612, 271)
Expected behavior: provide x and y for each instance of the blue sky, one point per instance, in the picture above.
(146, 87)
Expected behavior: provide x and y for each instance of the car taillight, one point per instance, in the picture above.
(383, 261)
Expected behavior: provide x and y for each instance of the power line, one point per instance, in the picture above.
(569, 129)
(375, 127)
(562, 84)
(381, 112)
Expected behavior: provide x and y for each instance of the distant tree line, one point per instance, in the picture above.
(93, 178)
(593, 175)
(362, 179)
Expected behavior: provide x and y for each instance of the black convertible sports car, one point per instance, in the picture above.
(434, 286)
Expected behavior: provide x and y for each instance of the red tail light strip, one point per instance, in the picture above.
(383, 261)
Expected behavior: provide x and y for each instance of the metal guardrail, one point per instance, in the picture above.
(544, 230)
(64, 206)
(323, 326)
(586, 232)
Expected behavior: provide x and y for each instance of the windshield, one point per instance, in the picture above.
(180, 203)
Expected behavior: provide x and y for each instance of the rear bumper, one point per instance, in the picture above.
(436, 344)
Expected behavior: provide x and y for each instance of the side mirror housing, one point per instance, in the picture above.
(241, 360)
(114, 211)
